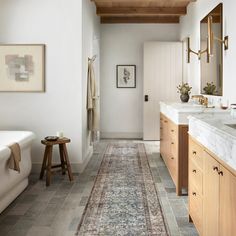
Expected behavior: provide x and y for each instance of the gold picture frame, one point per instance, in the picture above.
(22, 67)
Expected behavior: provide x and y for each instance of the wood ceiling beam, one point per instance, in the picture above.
(160, 3)
(141, 11)
(137, 20)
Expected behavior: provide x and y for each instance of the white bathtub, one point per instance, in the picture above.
(13, 183)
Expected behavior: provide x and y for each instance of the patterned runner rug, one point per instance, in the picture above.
(124, 200)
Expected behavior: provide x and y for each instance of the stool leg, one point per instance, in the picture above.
(62, 159)
(67, 162)
(44, 163)
(49, 166)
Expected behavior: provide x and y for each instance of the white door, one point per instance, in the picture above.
(162, 74)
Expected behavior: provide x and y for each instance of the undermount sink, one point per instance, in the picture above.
(231, 125)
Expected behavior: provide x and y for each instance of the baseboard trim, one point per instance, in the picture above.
(76, 167)
(121, 135)
(79, 168)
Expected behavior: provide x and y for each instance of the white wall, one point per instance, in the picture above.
(122, 109)
(58, 24)
(90, 47)
(190, 26)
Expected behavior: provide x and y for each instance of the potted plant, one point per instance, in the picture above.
(184, 89)
(210, 88)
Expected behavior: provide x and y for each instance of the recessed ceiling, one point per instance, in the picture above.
(141, 11)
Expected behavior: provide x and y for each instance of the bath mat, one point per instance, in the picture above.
(124, 199)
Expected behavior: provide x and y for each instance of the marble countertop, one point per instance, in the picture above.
(179, 112)
(211, 131)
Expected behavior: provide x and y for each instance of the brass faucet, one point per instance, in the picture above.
(204, 101)
(201, 99)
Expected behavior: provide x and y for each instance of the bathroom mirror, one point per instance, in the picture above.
(212, 66)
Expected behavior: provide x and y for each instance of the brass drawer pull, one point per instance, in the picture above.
(194, 171)
(215, 168)
(172, 130)
(165, 121)
(172, 143)
(194, 153)
(194, 194)
(172, 158)
(221, 173)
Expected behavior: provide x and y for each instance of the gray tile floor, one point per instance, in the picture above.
(57, 210)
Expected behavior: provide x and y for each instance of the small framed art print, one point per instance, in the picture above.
(126, 76)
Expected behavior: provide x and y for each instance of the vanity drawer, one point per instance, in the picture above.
(172, 166)
(174, 148)
(196, 208)
(173, 131)
(195, 176)
(196, 153)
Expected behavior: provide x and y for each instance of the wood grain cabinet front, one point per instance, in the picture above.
(196, 153)
(212, 192)
(196, 208)
(174, 151)
(196, 176)
(211, 196)
(227, 210)
(220, 198)
(195, 173)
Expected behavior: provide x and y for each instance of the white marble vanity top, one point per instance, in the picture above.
(213, 132)
(179, 112)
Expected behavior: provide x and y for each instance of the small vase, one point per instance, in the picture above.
(184, 97)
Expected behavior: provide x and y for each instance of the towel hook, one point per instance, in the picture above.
(93, 58)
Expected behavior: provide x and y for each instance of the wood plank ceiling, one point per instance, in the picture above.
(141, 11)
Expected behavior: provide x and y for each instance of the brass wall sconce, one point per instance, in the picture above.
(210, 42)
(198, 53)
(212, 37)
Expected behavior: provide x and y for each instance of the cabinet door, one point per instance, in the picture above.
(211, 196)
(227, 222)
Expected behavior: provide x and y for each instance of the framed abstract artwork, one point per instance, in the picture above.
(126, 76)
(22, 67)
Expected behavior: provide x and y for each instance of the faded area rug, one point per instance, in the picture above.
(124, 200)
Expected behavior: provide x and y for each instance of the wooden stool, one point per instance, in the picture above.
(47, 159)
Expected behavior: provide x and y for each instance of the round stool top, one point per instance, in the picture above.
(58, 141)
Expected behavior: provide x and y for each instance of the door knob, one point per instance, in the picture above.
(146, 98)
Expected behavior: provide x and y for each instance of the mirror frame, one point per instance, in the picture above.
(222, 50)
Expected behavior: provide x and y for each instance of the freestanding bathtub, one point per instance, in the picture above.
(13, 183)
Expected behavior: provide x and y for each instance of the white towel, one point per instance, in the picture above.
(92, 103)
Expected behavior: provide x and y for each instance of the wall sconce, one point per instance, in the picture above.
(210, 42)
(211, 38)
(198, 53)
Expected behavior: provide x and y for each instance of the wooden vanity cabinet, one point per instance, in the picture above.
(227, 203)
(214, 211)
(174, 151)
(196, 184)
(211, 196)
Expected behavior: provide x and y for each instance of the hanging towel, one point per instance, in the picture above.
(15, 157)
(92, 104)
